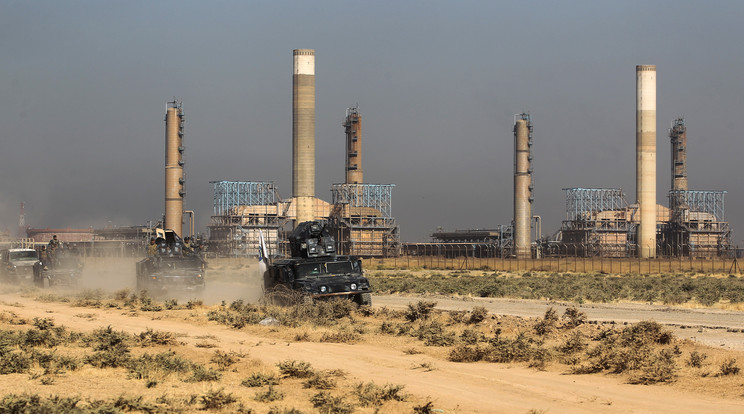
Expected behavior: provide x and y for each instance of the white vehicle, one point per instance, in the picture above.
(18, 264)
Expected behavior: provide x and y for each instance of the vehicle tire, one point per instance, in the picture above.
(363, 299)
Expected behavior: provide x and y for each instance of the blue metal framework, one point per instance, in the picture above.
(377, 196)
(710, 202)
(582, 202)
(231, 194)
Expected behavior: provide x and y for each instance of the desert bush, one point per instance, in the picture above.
(645, 333)
(223, 360)
(320, 381)
(729, 367)
(472, 337)
(547, 324)
(295, 369)
(111, 348)
(269, 395)
(341, 336)
(328, 404)
(258, 379)
(200, 373)
(574, 317)
(371, 394)
(427, 408)
(14, 363)
(421, 310)
(89, 298)
(696, 359)
(159, 365)
(466, 353)
(660, 367)
(504, 350)
(539, 358)
(152, 338)
(217, 399)
(434, 334)
(478, 315)
(366, 310)
(576, 342)
(33, 404)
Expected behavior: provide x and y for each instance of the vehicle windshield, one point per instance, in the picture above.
(339, 267)
(327, 268)
(25, 255)
(309, 269)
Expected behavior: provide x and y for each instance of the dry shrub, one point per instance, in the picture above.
(320, 381)
(478, 315)
(573, 344)
(660, 367)
(696, 359)
(371, 394)
(421, 310)
(224, 360)
(152, 338)
(574, 317)
(328, 404)
(729, 367)
(269, 395)
(259, 379)
(217, 399)
(295, 369)
(547, 324)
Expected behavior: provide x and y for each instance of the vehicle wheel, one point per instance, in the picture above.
(45, 282)
(363, 299)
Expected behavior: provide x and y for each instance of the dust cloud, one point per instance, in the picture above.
(226, 279)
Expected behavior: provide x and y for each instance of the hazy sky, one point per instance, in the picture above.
(83, 87)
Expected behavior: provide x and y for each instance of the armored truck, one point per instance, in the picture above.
(64, 269)
(172, 268)
(315, 271)
(18, 264)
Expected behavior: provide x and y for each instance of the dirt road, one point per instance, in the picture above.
(712, 327)
(454, 387)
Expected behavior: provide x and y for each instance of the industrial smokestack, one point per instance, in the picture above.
(646, 159)
(677, 201)
(303, 134)
(353, 129)
(522, 185)
(174, 166)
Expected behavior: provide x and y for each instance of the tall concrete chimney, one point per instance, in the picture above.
(677, 200)
(522, 186)
(353, 129)
(646, 159)
(303, 134)
(174, 167)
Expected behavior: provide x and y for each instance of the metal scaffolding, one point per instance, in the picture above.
(230, 194)
(598, 223)
(362, 219)
(710, 202)
(242, 210)
(583, 203)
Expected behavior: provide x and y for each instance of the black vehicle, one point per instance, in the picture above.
(18, 264)
(64, 269)
(172, 268)
(315, 270)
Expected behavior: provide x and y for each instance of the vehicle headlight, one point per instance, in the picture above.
(353, 286)
(199, 276)
(323, 289)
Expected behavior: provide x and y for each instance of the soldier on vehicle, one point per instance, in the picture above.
(152, 249)
(52, 249)
(187, 248)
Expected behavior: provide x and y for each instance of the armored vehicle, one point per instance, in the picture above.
(18, 264)
(315, 270)
(172, 267)
(64, 269)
